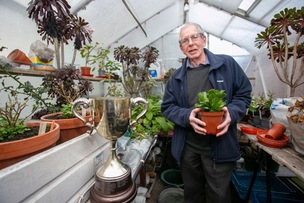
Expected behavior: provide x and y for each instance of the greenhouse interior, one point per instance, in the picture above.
(100, 103)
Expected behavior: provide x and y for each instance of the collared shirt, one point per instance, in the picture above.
(189, 65)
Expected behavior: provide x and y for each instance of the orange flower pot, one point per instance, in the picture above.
(212, 120)
(85, 70)
(18, 56)
(69, 128)
(276, 131)
(16, 151)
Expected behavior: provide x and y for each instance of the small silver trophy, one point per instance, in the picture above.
(113, 179)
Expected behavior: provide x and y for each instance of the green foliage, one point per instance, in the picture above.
(261, 103)
(10, 122)
(8, 133)
(211, 101)
(94, 54)
(66, 110)
(25, 88)
(153, 121)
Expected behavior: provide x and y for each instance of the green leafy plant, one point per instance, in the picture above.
(153, 121)
(114, 89)
(110, 66)
(211, 101)
(94, 54)
(261, 104)
(283, 40)
(11, 124)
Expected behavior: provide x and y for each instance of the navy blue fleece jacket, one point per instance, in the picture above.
(224, 74)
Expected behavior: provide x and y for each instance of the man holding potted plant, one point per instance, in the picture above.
(206, 161)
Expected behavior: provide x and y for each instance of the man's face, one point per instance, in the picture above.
(192, 42)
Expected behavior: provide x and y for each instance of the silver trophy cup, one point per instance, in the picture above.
(113, 179)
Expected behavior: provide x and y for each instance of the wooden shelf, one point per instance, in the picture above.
(41, 73)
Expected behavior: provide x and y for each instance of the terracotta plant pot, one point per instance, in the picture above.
(85, 70)
(276, 131)
(212, 120)
(18, 56)
(69, 128)
(261, 137)
(16, 151)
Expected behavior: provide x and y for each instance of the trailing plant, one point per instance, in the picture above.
(283, 40)
(135, 66)
(211, 101)
(153, 121)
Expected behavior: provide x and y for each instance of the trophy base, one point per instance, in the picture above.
(116, 189)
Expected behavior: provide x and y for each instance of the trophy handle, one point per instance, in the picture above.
(85, 103)
(136, 101)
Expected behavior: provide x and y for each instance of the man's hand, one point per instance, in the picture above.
(223, 127)
(196, 123)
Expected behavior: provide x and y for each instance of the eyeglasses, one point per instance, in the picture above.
(194, 38)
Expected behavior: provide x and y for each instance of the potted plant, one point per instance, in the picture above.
(295, 118)
(211, 104)
(283, 40)
(19, 139)
(135, 66)
(93, 54)
(66, 85)
(260, 109)
(57, 26)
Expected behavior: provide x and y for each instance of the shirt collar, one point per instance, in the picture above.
(191, 66)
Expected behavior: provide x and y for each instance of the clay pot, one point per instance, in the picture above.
(212, 120)
(261, 137)
(69, 128)
(276, 131)
(85, 70)
(16, 151)
(18, 56)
